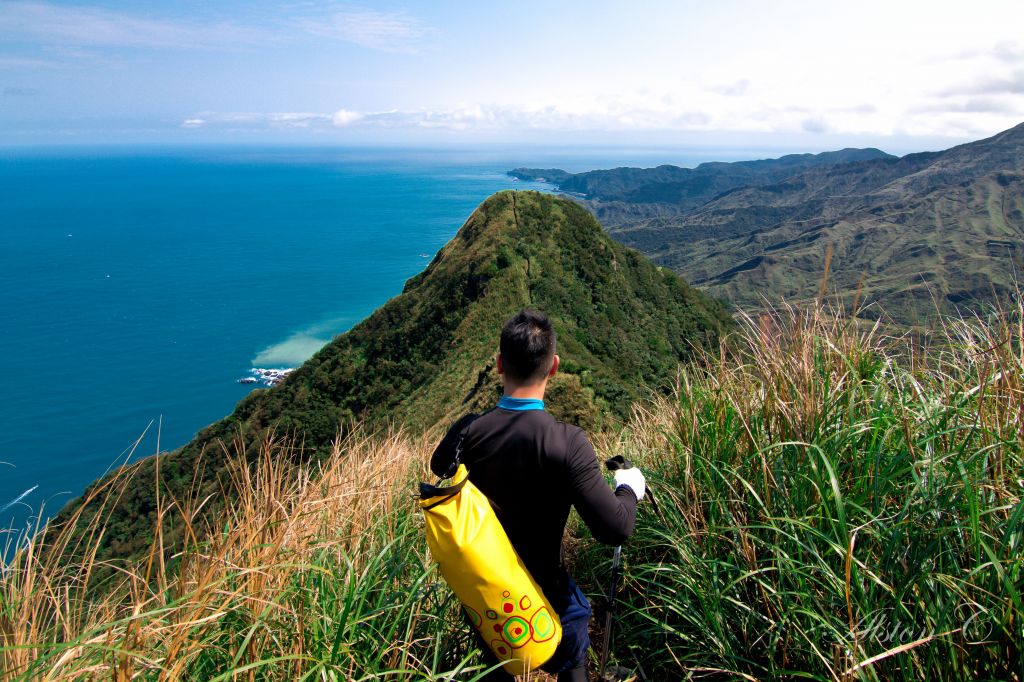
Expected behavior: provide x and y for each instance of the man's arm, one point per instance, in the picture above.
(610, 516)
(444, 454)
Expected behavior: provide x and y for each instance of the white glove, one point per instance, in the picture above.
(632, 478)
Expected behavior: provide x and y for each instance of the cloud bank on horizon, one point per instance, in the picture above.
(258, 70)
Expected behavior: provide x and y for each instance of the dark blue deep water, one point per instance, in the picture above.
(140, 286)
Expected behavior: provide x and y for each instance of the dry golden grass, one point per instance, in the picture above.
(286, 527)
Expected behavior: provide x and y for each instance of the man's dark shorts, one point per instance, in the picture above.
(574, 612)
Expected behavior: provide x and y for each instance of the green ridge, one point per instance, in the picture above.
(427, 355)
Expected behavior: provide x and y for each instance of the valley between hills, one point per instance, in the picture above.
(912, 237)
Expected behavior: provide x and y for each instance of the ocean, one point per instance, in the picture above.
(137, 286)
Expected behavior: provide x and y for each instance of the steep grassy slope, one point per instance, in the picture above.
(427, 355)
(829, 507)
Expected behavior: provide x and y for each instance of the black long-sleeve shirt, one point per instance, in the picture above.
(533, 468)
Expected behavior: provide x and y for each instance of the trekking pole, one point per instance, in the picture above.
(613, 464)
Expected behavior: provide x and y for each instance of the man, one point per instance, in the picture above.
(533, 469)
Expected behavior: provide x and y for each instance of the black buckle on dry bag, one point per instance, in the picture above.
(445, 493)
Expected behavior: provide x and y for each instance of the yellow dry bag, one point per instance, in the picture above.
(477, 560)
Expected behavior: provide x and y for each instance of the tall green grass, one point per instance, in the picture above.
(831, 504)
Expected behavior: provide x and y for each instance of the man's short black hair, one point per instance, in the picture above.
(527, 346)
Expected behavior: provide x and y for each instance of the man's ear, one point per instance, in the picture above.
(499, 363)
(554, 366)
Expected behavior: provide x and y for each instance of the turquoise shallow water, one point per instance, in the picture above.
(137, 288)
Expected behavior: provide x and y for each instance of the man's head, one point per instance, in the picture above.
(527, 350)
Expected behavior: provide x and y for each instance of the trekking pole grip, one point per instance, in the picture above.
(618, 462)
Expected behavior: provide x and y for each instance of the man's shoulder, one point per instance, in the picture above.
(571, 432)
(463, 424)
(444, 454)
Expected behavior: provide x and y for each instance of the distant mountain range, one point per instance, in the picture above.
(917, 234)
(426, 357)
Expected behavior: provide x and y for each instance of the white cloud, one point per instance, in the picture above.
(64, 27)
(296, 119)
(254, 120)
(77, 25)
(344, 117)
(1009, 52)
(737, 87)
(574, 115)
(988, 84)
(815, 124)
(1001, 104)
(981, 92)
(385, 31)
(626, 113)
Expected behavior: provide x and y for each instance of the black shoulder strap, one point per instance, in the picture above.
(456, 460)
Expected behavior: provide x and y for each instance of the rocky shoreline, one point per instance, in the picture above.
(266, 377)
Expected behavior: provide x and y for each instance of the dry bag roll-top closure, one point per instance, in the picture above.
(478, 562)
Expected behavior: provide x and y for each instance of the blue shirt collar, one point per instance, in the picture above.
(520, 404)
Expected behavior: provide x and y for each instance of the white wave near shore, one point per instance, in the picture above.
(267, 377)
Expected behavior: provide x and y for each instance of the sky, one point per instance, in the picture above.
(904, 76)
